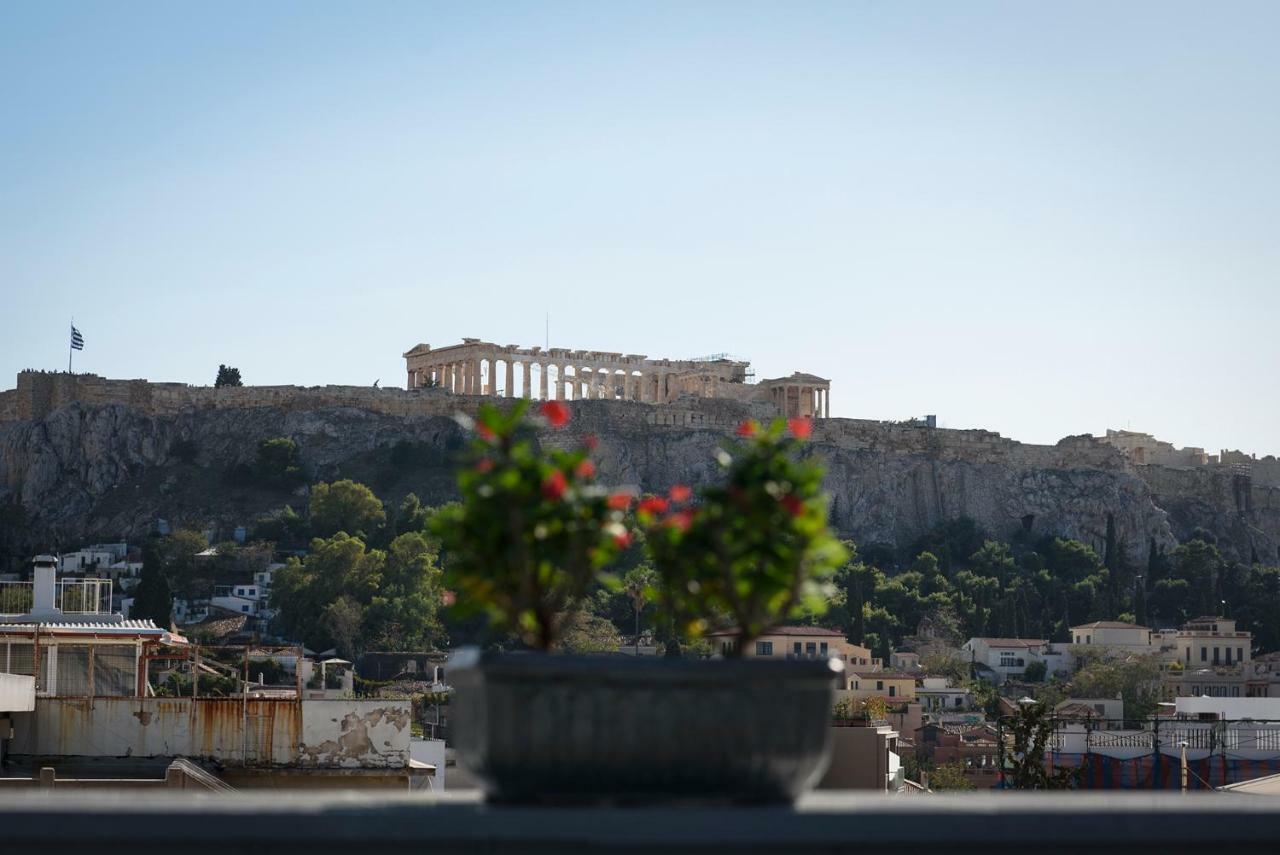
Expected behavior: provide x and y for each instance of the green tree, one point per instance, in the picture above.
(1028, 737)
(949, 776)
(227, 376)
(181, 568)
(1200, 565)
(342, 594)
(1035, 672)
(277, 463)
(589, 633)
(639, 584)
(1135, 679)
(403, 611)
(152, 598)
(342, 620)
(345, 506)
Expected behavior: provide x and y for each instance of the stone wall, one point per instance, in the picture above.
(40, 393)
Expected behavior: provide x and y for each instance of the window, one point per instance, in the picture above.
(893, 691)
(244, 608)
(1188, 654)
(1228, 655)
(1239, 654)
(810, 648)
(1204, 654)
(764, 648)
(1215, 656)
(796, 649)
(958, 701)
(1088, 639)
(879, 685)
(822, 648)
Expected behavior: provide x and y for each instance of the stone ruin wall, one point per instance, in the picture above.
(39, 394)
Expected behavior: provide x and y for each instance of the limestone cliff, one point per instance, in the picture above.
(108, 470)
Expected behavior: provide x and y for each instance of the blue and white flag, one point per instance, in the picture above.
(77, 340)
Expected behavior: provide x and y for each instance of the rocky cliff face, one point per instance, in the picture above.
(89, 471)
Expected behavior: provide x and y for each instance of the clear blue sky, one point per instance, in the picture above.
(1038, 218)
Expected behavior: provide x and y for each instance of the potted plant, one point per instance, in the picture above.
(534, 532)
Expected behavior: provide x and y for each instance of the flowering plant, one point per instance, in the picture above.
(533, 529)
(754, 548)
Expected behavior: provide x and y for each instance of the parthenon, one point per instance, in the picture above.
(477, 367)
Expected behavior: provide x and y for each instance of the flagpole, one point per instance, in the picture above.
(70, 341)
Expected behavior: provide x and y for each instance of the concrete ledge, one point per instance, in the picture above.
(825, 822)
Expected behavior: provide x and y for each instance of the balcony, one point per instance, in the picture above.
(70, 596)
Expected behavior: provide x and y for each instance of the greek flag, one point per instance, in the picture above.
(77, 340)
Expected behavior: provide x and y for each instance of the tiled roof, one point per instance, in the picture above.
(1012, 642)
(784, 630)
(884, 675)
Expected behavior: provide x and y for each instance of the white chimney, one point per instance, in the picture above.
(44, 586)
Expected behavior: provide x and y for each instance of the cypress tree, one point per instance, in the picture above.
(153, 598)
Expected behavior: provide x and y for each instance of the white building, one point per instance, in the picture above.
(242, 599)
(936, 696)
(1114, 635)
(85, 560)
(1004, 658)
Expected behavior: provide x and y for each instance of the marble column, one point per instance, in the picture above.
(542, 382)
(525, 373)
(826, 403)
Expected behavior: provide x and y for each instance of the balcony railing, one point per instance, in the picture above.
(15, 598)
(71, 596)
(83, 596)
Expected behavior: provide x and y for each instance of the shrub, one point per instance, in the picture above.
(533, 530)
(755, 548)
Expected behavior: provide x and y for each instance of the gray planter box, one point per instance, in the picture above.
(545, 728)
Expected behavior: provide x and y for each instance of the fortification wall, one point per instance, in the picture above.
(40, 393)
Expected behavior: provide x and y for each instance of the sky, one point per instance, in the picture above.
(1041, 219)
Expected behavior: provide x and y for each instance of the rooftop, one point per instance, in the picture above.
(784, 630)
(1012, 642)
(1109, 624)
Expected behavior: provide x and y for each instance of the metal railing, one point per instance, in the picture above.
(71, 596)
(83, 596)
(16, 598)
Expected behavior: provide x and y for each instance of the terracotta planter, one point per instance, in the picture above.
(539, 728)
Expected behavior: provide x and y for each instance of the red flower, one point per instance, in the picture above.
(484, 465)
(792, 504)
(585, 469)
(800, 428)
(681, 520)
(680, 493)
(448, 598)
(554, 485)
(590, 442)
(747, 428)
(653, 505)
(619, 502)
(556, 413)
(486, 432)
(622, 540)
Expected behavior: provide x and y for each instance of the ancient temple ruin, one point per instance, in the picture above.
(477, 367)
